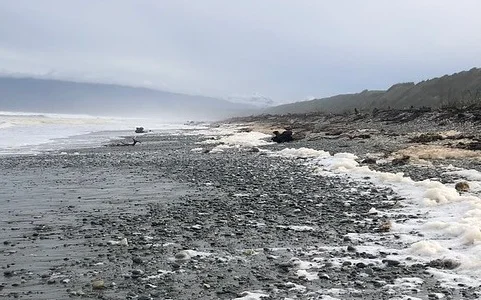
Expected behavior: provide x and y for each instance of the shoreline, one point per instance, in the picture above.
(205, 225)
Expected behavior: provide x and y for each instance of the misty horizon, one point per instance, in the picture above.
(303, 50)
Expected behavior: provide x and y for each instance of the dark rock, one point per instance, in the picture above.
(370, 161)
(137, 273)
(462, 186)
(137, 260)
(426, 138)
(284, 137)
(351, 248)
(449, 264)
(9, 273)
(139, 130)
(401, 161)
(469, 146)
(391, 262)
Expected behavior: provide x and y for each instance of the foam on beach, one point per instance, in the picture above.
(241, 139)
(224, 138)
(450, 223)
(300, 153)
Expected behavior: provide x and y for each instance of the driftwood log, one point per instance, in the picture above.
(284, 137)
(134, 142)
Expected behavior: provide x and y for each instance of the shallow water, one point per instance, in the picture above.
(33, 133)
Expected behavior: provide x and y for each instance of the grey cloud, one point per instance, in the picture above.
(284, 49)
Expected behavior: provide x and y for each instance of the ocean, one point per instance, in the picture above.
(34, 133)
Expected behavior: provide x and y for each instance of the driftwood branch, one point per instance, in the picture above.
(128, 144)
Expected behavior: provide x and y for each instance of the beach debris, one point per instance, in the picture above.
(122, 143)
(283, 137)
(462, 186)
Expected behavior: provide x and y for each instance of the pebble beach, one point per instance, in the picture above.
(224, 213)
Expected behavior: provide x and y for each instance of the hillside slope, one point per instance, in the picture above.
(459, 88)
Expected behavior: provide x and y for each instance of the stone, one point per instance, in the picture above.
(137, 260)
(182, 255)
(426, 138)
(391, 262)
(448, 264)
(401, 161)
(98, 284)
(369, 161)
(462, 186)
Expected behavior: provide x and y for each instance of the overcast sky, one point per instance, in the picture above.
(287, 50)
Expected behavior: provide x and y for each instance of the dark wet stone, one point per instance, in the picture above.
(8, 273)
(369, 161)
(449, 264)
(391, 262)
(137, 260)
